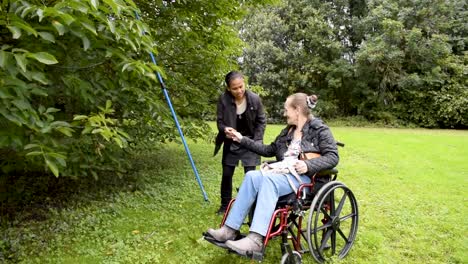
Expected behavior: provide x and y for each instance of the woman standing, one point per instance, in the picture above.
(242, 111)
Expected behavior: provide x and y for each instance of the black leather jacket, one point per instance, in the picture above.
(316, 138)
(226, 116)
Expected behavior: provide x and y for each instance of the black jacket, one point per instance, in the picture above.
(226, 116)
(316, 138)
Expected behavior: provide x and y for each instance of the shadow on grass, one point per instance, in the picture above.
(29, 197)
(34, 201)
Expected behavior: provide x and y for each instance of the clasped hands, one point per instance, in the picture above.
(300, 166)
(233, 134)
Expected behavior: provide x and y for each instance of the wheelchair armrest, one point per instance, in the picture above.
(329, 172)
(301, 189)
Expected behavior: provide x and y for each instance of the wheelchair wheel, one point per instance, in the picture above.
(293, 258)
(333, 222)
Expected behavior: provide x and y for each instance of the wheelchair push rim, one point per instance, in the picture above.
(333, 222)
(291, 258)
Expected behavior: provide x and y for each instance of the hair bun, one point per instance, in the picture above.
(312, 101)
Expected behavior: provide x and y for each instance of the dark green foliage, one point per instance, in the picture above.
(410, 61)
(80, 95)
(390, 61)
(68, 72)
(78, 86)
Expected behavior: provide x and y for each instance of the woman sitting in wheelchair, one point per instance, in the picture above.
(303, 137)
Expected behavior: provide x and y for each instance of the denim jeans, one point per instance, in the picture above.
(266, 189)
(226, 183)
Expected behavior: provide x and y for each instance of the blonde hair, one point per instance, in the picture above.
(304, 102)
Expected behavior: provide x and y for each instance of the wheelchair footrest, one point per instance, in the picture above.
(215, 242)
(258, 256)
(254, 255)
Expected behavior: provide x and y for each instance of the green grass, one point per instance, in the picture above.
(410, 185)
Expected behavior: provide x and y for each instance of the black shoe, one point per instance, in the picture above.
(221, 210)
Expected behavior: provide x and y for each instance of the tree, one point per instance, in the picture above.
(412, 70)
(287, 52)
(393, 61)
(78, 86)
(58, 64)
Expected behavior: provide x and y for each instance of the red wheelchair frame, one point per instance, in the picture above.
(331, 227)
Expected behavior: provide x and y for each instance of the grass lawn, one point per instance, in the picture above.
(410, 185)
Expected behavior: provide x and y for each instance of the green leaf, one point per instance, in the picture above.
(113, 5)
(118, 141)
(86, 130)
(39, 91)
(95, 176)
(61, 161)
(21, 104)
(15, 31)
(130, 42)
(4, 94)
(80, 117)
(65, 130)
(94, 3)
(34, 153)
(12, 118)
(25, 26)
(89, 26)
(21, 60)
(52, 110)
(59, 27)
(4, 58)
(97, 130)
(108, 104)
(131, 3)
(67, 18)
(5, 46)
(43, 57)
(86, 42)
(59, 124)
(46, 129)
(126, 66)
(40, 77)
(56, 155)
(17, 50)
(40, 14)
(150, 75)
(41, 109)
(111, 26)
(52, 167)
(77, 5)
(29, 146)
(47, 36)
(26, 11)
(123, 134)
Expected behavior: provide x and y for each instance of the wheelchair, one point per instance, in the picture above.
(332, 221)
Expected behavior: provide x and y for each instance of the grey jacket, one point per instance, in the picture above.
(226, 117)
(316, 138)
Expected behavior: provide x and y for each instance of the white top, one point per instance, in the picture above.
(294, 149)
(240, 109)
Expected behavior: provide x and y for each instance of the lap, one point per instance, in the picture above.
(280, 181)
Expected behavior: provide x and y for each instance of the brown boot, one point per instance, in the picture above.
(253, 242)
(223, 234)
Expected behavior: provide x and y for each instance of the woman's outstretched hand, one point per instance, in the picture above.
(228, 131)
(233, 134)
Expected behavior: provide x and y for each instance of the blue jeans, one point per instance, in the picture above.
(266, 189)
